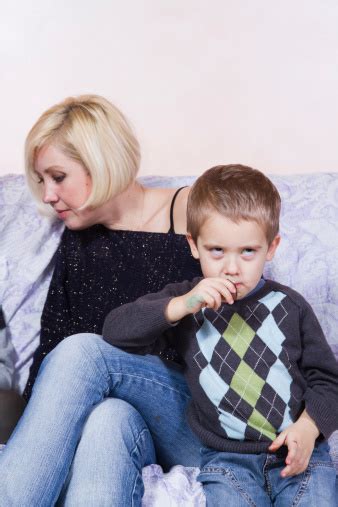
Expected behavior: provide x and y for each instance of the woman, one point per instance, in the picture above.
(121, 241)
(97, 415)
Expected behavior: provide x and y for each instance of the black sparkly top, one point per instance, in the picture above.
(98, 269)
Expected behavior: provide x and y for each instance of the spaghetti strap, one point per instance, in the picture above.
(172, 227)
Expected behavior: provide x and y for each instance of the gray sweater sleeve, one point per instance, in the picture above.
(136, 326)
(6, 355)
(320, 369)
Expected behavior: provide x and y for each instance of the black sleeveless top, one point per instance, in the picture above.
(98, 269)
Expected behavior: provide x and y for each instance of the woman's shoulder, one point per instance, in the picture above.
(159, 206)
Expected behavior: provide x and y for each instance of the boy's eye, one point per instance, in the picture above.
(248, 252)
(216, 252)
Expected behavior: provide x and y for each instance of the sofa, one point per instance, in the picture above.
(306, 261)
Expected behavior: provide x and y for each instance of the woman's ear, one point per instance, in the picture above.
(273, 247)
(193, 247)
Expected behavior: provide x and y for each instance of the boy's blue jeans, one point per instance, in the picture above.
(97, 415)
(236, 480)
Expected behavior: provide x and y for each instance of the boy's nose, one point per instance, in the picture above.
(231, 267)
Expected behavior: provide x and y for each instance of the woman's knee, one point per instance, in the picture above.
(118, 427)
(114, 417)
(74, 350)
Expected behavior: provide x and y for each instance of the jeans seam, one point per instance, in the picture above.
(133, 452)
(107, 376)
(153, 381)
(228, 473)
(302, 487)
(267, 478)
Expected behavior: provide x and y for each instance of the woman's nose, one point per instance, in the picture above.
(49, 194)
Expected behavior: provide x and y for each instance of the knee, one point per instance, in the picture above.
(115, 419)
(74, 346)
(74, 353)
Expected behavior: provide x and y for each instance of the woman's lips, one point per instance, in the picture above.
(62, 213)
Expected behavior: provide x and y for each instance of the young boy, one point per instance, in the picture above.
(255, 355)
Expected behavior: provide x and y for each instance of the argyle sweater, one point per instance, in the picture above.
(252, 367)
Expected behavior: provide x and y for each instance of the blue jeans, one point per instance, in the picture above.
(239, 480)
(97, 415)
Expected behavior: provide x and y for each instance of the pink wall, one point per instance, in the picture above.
(203, 82)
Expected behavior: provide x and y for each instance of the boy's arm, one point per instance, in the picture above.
(320, 369)
(139, 324)
(300, 439)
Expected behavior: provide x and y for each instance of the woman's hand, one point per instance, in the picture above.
(208, 293)
(300, 439)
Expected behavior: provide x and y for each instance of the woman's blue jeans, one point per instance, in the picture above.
(97, 415)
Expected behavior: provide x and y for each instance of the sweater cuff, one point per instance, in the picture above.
(322, 413)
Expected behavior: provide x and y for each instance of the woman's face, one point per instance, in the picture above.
(66, 186)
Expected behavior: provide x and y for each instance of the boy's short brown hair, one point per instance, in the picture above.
(237, 192)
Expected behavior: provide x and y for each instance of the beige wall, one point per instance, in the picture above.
(203, 81)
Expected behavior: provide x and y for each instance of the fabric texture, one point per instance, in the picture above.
(252, 367)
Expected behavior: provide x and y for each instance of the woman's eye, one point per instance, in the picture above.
(59, 179)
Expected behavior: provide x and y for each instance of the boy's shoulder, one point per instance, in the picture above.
(292, 294)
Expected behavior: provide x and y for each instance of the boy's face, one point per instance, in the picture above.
(237, 251)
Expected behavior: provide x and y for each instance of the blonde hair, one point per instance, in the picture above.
(237, 192)
(92, 131)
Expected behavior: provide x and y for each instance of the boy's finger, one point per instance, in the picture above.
(214, 298)
(278, 442)
(292, 451)
(288, 471)
(227, 296)
(230, 285)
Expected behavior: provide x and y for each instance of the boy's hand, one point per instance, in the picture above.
(300, 439)
(208, 293)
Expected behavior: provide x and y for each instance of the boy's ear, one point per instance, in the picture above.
(273, 247)
(193, 246)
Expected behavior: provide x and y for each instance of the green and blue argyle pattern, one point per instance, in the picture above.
(245, 370)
